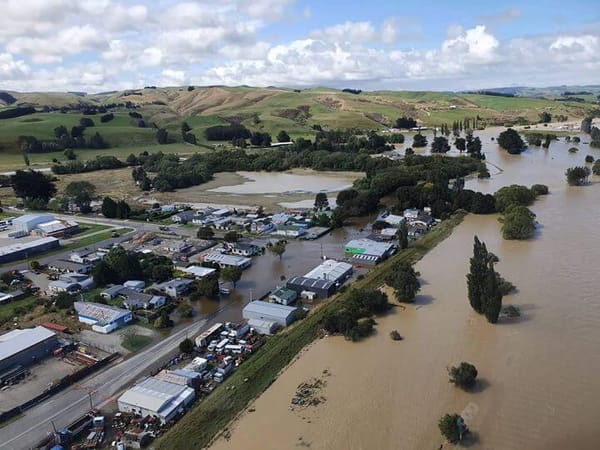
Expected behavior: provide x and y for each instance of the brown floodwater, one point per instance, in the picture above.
(539, 385)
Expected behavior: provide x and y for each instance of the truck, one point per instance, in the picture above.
(221, 345)
(224, 369)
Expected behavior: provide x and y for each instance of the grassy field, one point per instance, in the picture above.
(135, 342)
(202, 423)
(16, 308)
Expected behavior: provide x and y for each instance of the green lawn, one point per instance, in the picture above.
(89, 228)
(135, 342)
(16, 308)
(206, 419)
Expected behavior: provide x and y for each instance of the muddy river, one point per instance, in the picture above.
(539, 384)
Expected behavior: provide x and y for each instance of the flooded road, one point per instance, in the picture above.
(539, 387)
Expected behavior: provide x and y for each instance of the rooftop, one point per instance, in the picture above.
(176, 282)
(274, 309)
(285, 293)
(331, 270)
(311, 283)
(16, 341)
(199, 271)
(56, 225)
(153, 394)
(8, 249)
(28, 217)
(368, 247)
(104, 314)
(226, 259)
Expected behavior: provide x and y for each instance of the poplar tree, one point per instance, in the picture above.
(492, 296)
(476, 275)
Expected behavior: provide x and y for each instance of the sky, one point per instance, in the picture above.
(101, 45)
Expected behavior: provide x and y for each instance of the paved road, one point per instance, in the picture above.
(74, 402)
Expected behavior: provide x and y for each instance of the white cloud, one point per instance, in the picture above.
(12, 69)
(265, 9)
(347, 32)
(173, 77)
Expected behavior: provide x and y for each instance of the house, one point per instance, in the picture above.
(199, 272)
(222, 224)
(63, 265)
(223, 261)
(136, 285)
(272, 312)
(283, 296)
(183, 217)
(388, 233)
(85, 257)
(262, 226)
(394, 220)
(86, 282)
(243, 249)
(176, 287)
(220, 213)
(103, 318)
(133, 300)
(411, 213)
(176, 246)
(292, 231)
(424, 220)
(64, 286)
(280, 218)
(112, 291)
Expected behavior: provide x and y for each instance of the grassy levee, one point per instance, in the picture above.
(202, 423)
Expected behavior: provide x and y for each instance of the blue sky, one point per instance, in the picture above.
(98, 45)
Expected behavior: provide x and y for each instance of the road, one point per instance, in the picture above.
(72, 403)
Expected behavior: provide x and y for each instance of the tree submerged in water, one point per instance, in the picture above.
(483, 283)
(463, 376)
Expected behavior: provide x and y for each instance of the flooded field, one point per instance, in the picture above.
(538, 373)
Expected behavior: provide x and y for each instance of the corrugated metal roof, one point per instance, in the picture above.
(104, 314)
(310, 283)
(152, 394)
(330, 270)
(368, 247)
(16, 341)
(25, 245)
(272, 309)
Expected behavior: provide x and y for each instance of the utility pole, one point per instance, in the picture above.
(91, 403)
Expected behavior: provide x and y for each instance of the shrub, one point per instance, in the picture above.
(539, 189)
(589, 159)
(577, 176)
(395, 335)
(573, 150)
(449, 427)
(186, 346)
(463, 376)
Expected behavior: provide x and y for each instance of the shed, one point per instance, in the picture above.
(321, 288)
(263, 326)
(281, 314)
(283, 296)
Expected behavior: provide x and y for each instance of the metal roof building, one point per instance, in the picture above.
(26, 249)
(24, 347)
(369, 251)
(103, 318)
(321, 288)
(223, 261)
(28, 222)
(259, 310)
(199, 271)
(331, 270)
(155, 397)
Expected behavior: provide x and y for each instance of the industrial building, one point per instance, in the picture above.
(103, 318)
(156, 397)
(28, 222)
(69, 287)
(63, 265)
(259, 310)
(331, 270)
(25, 347)
(369, 251)
(311, 287)
(223, 261)
(23, 250)
(57, 228)
(263, 326)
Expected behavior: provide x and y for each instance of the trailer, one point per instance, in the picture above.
(221, 345)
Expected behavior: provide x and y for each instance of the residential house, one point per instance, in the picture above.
(220, 213)
(292, 231)
(223, 261)
(176, 246)
(85, 257)
(176, 287)
(222, 224)
(411, 213)
(63, 286)
(61, 265)
(136, 285)
(280, 218)
(244, 249)
(262, 226)
(183, 216)
(393, 220)
(199, 272)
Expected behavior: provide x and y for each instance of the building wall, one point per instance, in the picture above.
(30, 355)
(284, 321)
(25, 253)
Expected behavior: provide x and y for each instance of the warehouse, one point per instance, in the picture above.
(28, 222)
(63, 265)
(368, 251)
(25, 347)
(319, 288)
(155, 397)
(103, 318)
(23, 250)
(283, 315)
(263, 326)
(331, 270)
(223, 261)
(57, 228)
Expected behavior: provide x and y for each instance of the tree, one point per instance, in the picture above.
(577, 176)
(81, 193)
(492, 294)
(186, 346)
(231, 274)
(97, 141)
(86, 122)
(452, 427)
(589, 159)
(513, 195)
(29, 184)
(185, 128)
(70, 154)
(586, 125)
(404, 279)
(109, 208)
(205, 232)
(163, 321)
(162, 136)
(64, 300)
(185, 310)
(60, 132)
(402, 235)
(463, 376)
(460, 144)
(511, 141)
(539, 189)
(476, 275)
(419, 140)
(282, 136)
(321, 201)
(518, 223)
(206, 287)
(278, 248)
(440, 145)
(406, 122)
(545, 117)
(232, 236)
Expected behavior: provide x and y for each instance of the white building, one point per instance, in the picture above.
(103, 318)
(271, 312)
(223, 261)
(331, 270)
(155, 397)
(199, 272)
(29, 222)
